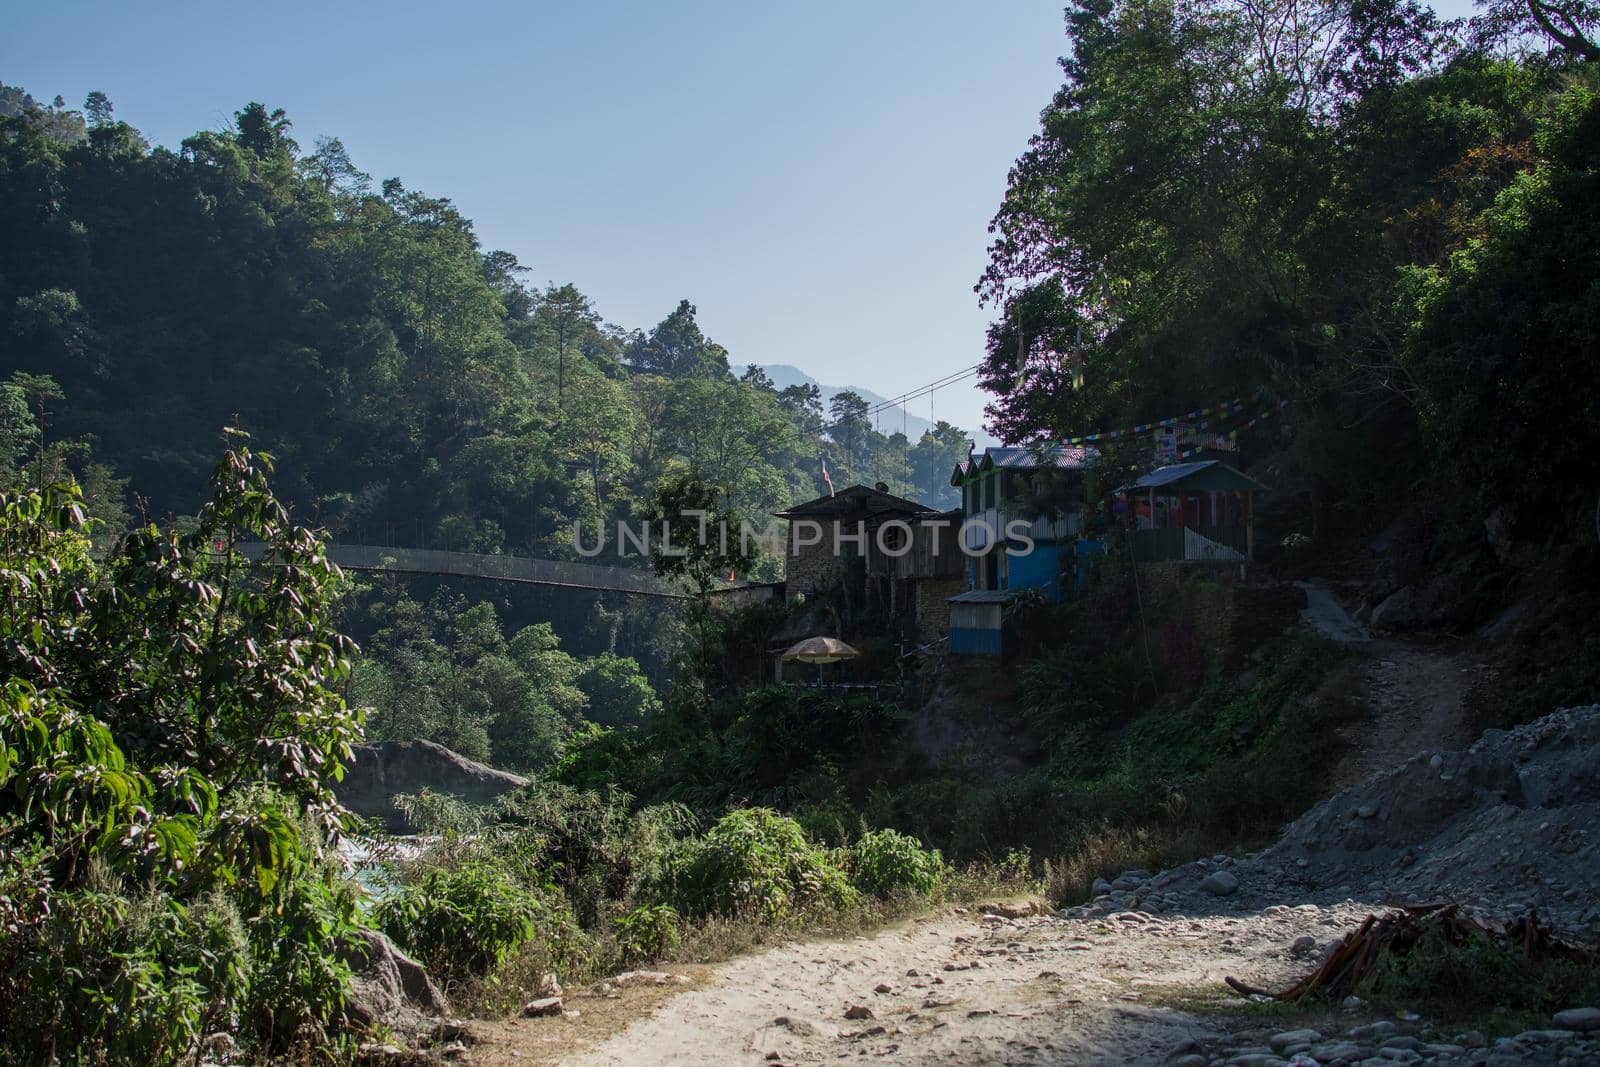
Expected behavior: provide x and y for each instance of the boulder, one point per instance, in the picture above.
(1580, 1019)
(1220, 883)
(629, 979)
(1279, 1042)
(383, 769)
(391, 989)
(1408, 608)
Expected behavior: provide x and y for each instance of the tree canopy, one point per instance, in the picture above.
(1359, 210)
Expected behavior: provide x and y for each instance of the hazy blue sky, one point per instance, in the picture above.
(816, 178)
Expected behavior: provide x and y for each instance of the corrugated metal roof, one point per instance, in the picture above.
(1213, 473)
(982, 596)
(1022, 458)
(1027, 459)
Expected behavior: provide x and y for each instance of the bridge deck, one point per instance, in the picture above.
(553, 572)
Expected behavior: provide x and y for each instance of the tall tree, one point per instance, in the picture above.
(851, 427)
(677, 349)
(97, 109)
(570, 319)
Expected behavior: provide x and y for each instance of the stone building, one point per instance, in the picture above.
(889, 559)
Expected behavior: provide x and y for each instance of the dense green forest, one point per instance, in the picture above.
(413, 389)
(1380, 223)
(416, 389)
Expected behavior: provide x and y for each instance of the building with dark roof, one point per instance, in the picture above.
(1023, 508)
(895, 558)
(1023, 526)
(1204, 510)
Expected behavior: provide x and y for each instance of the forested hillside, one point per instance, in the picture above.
(416, 389)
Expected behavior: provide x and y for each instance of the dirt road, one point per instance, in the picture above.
(950, 988)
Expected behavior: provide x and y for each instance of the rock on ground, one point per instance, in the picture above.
(1582, 1020)
(390, 988)
(1502, 826)
(1408, 608)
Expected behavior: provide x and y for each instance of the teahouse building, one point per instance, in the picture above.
(1009, 545)
(1001, 491)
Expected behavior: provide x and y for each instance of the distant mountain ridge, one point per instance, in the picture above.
(887, 422)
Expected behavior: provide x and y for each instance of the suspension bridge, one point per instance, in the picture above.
(561, 574)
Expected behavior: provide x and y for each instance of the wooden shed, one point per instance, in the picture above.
(977, 622)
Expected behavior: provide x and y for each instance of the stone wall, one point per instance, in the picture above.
(811, 567)
(932, 606)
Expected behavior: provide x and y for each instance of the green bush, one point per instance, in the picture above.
(109, 979)
(753, 861)
(138, 748)
(594, 847)
(465, 921)
(646, 933)
(299, 939)
(887, 864)
(596, 758)
(619, 694)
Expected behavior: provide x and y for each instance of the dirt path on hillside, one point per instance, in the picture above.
(1418, 694)
(949, 988)
(1417, 687)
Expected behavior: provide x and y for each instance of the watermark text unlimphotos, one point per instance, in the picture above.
(893, 538)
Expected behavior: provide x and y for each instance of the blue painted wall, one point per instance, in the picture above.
(1038, 569)
(974, 642)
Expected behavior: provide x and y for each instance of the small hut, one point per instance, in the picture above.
(1193, 511)
(977, 622)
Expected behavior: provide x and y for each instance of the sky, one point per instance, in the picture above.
(817, 179)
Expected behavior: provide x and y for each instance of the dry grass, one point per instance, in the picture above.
(1110, 851)
(716, 939)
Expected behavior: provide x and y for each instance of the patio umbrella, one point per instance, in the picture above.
(821, 650)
